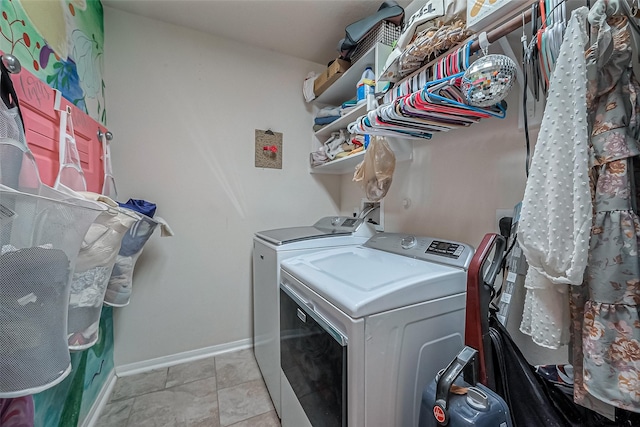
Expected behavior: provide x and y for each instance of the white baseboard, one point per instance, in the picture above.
(101, 401)
(184, 357)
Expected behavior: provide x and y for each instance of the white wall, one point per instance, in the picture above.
(455, 184)
(183, 106)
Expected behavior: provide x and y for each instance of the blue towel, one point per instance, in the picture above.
(350, 103)
(142, 206)
(326, 120)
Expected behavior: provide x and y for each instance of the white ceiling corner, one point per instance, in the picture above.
(306, 29)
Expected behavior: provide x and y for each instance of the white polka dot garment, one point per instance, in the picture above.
(556, 215)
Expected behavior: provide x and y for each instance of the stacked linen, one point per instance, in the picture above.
(348, 107)
(325, 116)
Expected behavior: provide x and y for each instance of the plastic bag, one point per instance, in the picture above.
(374, 173)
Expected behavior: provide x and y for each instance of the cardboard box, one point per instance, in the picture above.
(482, 12)
(330, 75)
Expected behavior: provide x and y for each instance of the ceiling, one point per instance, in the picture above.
(307, 29)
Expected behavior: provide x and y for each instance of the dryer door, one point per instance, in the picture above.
(313, 356)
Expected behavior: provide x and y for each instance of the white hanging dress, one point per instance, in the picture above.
(557, 211)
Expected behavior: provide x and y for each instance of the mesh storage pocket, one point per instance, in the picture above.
(33, 287)
(91, 276)
(39, 241)
(121, 281)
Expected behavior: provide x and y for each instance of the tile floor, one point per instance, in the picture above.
(221, 391)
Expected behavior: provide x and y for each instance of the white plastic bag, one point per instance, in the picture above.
(375, 172)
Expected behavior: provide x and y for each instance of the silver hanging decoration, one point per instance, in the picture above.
(489, 80)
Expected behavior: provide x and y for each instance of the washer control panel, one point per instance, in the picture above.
(424, 248)
(448, 249)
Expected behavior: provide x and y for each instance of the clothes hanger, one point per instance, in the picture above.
(432, 91)
(438, 107)
(446, 92)
(432, 94)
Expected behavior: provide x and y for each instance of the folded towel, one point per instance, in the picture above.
(328, 112)
(316, 128)
(345, 111)
(307, 87)
(326, 120)
(349, 103)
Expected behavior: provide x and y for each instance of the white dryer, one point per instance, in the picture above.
(364, 329)
(270, 247)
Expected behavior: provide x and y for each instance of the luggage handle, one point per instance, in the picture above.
(445, 381)
(476, 333)
(496, 263)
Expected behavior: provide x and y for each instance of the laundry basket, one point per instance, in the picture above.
(39, 240)
(93, 269)
(121, 281)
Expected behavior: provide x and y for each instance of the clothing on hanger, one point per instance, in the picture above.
(609, 331)
(555, 220)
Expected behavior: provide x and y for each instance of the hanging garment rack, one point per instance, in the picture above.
(403, 115)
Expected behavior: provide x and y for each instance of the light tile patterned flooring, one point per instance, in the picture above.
(221, 391)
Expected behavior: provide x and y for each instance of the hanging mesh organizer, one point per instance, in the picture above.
(95, 263)
(40, 239)
(19, 171)
(121, 281)
(99, 249)
(41, 231)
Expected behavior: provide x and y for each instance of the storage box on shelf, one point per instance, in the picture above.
(330, 75)
(344, 89)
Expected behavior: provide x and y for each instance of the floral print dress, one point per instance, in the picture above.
(611, 325)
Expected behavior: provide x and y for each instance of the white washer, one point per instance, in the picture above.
(270, 247)
(364, 329)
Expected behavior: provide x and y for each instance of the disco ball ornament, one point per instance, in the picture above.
(489, 80)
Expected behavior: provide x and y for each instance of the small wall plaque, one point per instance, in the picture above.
(268, 149)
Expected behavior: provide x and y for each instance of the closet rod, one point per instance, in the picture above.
(504, 29)
(492, 35)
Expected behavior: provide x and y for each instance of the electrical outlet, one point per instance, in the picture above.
(376, 216)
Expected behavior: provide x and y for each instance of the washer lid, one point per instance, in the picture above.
(362, 281)
(325, 227)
